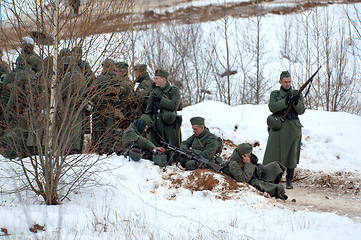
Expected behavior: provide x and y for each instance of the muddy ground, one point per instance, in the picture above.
(337, 192)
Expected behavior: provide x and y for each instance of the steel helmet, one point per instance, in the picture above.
(168, 117)
(274, 122)
(135, 154)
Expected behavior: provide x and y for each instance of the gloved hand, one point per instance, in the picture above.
(157, 97)
(295, 98)
(288, 97)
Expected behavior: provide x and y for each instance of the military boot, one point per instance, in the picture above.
(289, 177)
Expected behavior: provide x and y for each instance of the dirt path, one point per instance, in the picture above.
(339, 194)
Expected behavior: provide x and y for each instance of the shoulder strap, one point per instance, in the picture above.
(201, 142)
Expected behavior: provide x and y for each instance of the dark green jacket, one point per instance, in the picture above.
(240, 170)
(144, 88)
(265, 181)
(33, 60)
(85, 68)
(205, 144)
(284, 145)
(132, 135)
(71, 110)
(4, 68)
(170, 102)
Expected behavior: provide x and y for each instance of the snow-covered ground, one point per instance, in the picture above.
(138, 200)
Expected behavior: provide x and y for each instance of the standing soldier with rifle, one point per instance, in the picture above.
(284, 140)
(284, 145)
(163, 103)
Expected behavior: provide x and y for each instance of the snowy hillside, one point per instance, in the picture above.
(138, 200)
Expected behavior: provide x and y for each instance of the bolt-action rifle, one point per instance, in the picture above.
(200, 159)
(309, 81)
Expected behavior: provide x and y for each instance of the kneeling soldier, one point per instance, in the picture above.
(243, 167)
(133, 138)
(202, 142)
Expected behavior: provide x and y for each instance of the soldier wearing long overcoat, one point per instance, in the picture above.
(103, 120)
(72, 116)
(284, 145)
(144, 86)
(244, 167)
(164, 101)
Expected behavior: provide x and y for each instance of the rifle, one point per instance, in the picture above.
(194, 156)
(309, 81)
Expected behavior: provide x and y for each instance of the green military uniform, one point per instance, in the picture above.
(15, 96)
(163, 113)
(32, 59)
(84, 68)
(145, 86)
(132, 136)
(83, 65)
(4, 68)
(72, 114)
(284, 145)
(205, 145)
(265, 178)
(125, 96)
(104, 119)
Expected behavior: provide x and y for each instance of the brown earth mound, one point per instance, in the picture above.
(337, 192)
(223, 186)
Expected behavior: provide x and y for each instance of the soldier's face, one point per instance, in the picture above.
(197, 129)
(286, 82)
(160, 81)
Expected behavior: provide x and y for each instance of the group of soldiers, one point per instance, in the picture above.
(123, 116)
(282, 151)
(87, 106)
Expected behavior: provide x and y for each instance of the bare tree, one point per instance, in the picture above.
(46, 112)
(320, 39)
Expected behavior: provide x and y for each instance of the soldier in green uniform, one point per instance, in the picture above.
(143, 86)
(163, 103)
(104, 108)
(27, 51)
(4, 70)
(72, 108)
(284, 145)
(85, 69)
(16, 107)
(133, 138)
(83, 65)
(125, 95)
(202, 142)
(244, 167)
